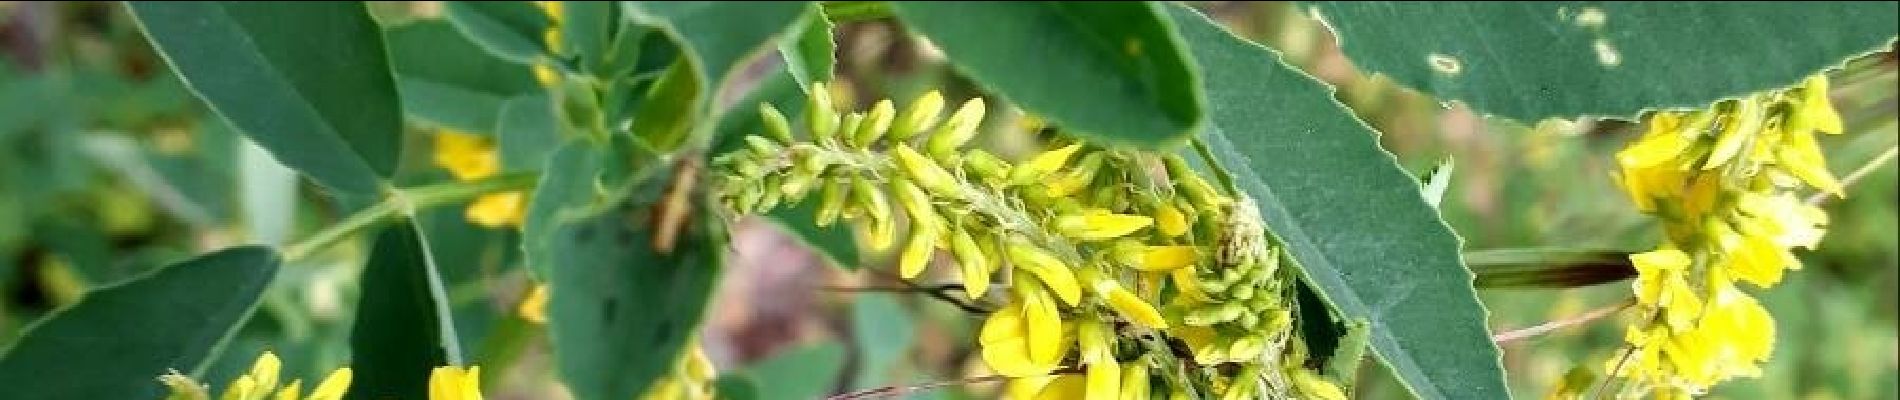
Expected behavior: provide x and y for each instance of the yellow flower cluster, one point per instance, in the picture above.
(470, 157)
(1724, 183)
(1087, 238)
(260, 383)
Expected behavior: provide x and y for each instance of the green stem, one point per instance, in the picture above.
(1220, 172)
(404, 202)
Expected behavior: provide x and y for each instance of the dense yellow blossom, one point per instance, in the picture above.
(1724, 182)
(260, 383)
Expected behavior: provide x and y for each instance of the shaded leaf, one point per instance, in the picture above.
(448, 80)
(801, 373)
(511, 30)
(399, 335)
(308, 81)
(117, 340)
(809, 51)
(1113, 72)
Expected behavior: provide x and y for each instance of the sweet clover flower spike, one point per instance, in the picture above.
(1086, 285)
(1724, 181)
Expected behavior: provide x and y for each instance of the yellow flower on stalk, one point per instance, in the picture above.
(1152, 258)
(470, 157)
(1093, 225)
(455, 383)
(260, 383)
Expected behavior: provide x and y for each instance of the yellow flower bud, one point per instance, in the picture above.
(870, 199)
(1155, 258)
(820, 118)
(926, 172)
(987, 165)
(917, 251)
(1094, 226)
(974, 264)
(920, 116)
(848, 128)
(831, 201)
(466, 156)
(1129, 306)
(1743, 123)
(1169, 220)
(1200, 193)
(1189, 285)
(1135, 380)
(874, 124)
(957, 130)
(765, 148)
(1816, 112)
(1104, 380)
(1042, 165)
(916, 204)
(1066, 184)
(776, 126)
(1047, 268)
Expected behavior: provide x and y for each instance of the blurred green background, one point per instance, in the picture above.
(108, 167)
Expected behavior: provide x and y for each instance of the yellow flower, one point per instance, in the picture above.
(466, 156)
(1046, 268)
(1005, 339)
(497, 210)
(455, 383)
(1096, 225)
(534, 307)
(1169, 220)
(1043, 164)
(1066, 387)
(1660, 283)
(1156, 258)
(1816, 112)
(260, 383)
(1801, 156)
(1662, 143)
(1103, 380)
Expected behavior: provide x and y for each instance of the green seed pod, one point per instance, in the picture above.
(832, 200)
(776, 126)
(973, 263)
(920, 116)
(848, 126)
(957, 130)
(927, 172)
(874, 124)
(763, 147)
(819, 116)
(871, 199)
(988, 166)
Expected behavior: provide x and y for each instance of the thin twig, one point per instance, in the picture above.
(943, 292)
(1552, 326)
(890, 391)
(1858, 174)
(1611, 374)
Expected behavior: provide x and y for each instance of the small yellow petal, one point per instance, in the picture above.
(1170, 221)
(917, 251)
(466, 156)
(534, 307)
(1099, 226)
(240, 389)
(1065, 387)
(1135, 380)
(497, 210)
(1027, 387)
(1003, 324)
(333, 386)
(926, 172)
(1156, 258)
(972, 262)
(264, 372)
(1134, 308)
(1043, 323)
(1048, 269)
(1816, 110)
(292, 391)
(1011, 357)
(1104, 381)
(1043, 164)
(1801, 156)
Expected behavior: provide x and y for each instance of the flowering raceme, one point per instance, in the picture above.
(1112, 259)
(1724, 183)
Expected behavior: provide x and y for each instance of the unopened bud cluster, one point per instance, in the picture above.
(1088, 239)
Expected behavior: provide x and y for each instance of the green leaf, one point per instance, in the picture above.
(117, 340)
(400, 333)
(835, 243)
(527, 133)
(586, 28)
(447, 80)
(511, 30)
(884, 335)
(799, 374)
(1113, 72)
(736, 387)
(308, 81)
(1374, 248)
(566, 192)
(714, 37)
(1536, 60)
(809, 53)
(620, 310)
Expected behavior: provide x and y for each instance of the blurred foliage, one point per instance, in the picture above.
(109, 168)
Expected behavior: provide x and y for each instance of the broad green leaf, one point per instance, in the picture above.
(117, 340)
(1374, 248)
(400, 333)
(512, 30)
(587, 27)
(447, 80)
(801, 373)
(1113, 72)
(527, 133)
(1534, 60)
(884, 335)
(621, 307)
(308, 81)
(835, 243)
(566, 191)
(809, 51)
(714, 39)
